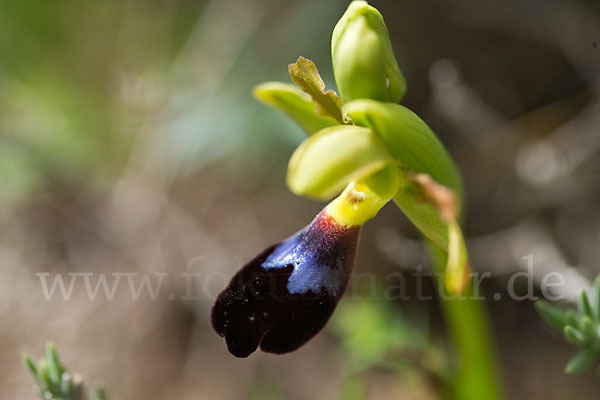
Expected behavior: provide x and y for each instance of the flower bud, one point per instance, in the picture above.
(364, 64)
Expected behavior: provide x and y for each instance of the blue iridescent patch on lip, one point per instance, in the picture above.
(317, 257)
(286, 294)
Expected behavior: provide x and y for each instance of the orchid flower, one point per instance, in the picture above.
(371, 150)
(286, 294)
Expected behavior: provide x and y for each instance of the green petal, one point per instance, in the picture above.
(327, 161)
(363, 59)
(295, 103)
(409, 139)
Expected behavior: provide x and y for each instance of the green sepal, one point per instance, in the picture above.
(328, 160)
(421, 213)
(408, 139)
(363, 59)
(293, 102)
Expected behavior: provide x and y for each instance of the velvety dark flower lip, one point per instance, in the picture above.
(286, 294)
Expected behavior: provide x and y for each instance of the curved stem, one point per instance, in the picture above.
(477, 374)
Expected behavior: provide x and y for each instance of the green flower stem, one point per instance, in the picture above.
(477, 375)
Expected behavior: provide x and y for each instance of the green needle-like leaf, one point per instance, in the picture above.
(584, 359)
(588, 328)
(573, 335)
(580, 327)
(305, 74)
(328, 160)
(99, 394)
(572, 318)
(54, 369)
(554, 316)
(295, 103)
(30, 365)
(54, 383)
(43, 373)
(597, 297)
(584, 304)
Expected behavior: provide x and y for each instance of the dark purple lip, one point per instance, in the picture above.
(286, 294)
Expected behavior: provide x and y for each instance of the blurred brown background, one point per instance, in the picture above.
(129, 142)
